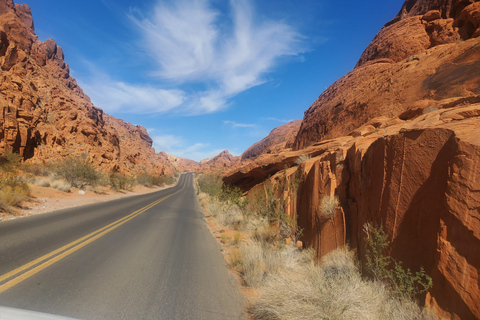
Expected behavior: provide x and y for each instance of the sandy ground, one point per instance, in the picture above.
(49, 199)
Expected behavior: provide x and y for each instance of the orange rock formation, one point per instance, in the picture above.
(46, 116)
(398, 141)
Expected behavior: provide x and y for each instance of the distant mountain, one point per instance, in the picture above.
(277, 140)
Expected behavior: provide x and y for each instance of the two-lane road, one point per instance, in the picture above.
(143, 257)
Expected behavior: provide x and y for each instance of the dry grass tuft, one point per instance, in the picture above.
(237, 238)
(333, 290)
(265, 233)
(252, 269)
(328, 206)
(235, 258)
(42, 181)
(224, 238)
(13, 191)
(61, 185)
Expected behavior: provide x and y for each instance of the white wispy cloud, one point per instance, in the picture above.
(117, 96)
(239, 125)
(178, 147)
(192, 42)
(279, 120)
(208, 56)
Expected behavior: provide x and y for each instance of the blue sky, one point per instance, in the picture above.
(207, 75)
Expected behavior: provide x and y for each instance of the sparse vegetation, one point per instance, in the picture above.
(334, 289)
(328, 206)
(148, 180)
(78, 171)
(224, 238)
(237, 238)
(72, 172)
(119, 181)
(211, 184)
(290, 284)
(13, 190)
(61, 184)
(9, 161)
(383, 268)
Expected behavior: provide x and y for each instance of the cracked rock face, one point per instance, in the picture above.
(45, 115)
(428, 53)
(397, 139)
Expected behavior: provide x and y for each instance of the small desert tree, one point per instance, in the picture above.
(78, 171)
(384, 268)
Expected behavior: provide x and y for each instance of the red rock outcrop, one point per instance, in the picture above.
(44, 113)
(277, 140)
(414, 62)
(417, 178)
(397, 140)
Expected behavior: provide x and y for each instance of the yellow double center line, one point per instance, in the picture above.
(27, 270)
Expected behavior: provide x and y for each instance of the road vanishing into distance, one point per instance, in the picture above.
(142, 257)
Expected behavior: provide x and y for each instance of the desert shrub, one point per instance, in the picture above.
(78, 171)
(149, 180)
(42, 182)
(13, 191)
(332, 290)
(265, 233)
(224, 238)
(237, 238)
(234, 259)
(328, 205)
(210, 184)
(36, 169)
(382, 267)
(119, 181)
(251, 256)
(271, 202)
(61, 184)
(226, 214)
(10, 161)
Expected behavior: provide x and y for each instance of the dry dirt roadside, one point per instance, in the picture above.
(48, 199)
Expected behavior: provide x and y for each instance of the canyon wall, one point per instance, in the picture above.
(397, 140)
(412, 64)
(45, 115)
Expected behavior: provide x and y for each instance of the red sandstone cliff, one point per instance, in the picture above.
(397, 140)
(417, 62)
(277, 140)
(46, 116)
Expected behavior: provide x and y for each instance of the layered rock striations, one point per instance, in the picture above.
(277, 140)
(414, 63)
(418, 178)
(45, 115)
(397, 140)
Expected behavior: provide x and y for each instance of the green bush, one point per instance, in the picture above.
(119, 181)
(78, 171)
(9, 161)
(382, 267)
(211, 184)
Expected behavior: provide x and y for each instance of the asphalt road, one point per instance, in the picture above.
(144, 257)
